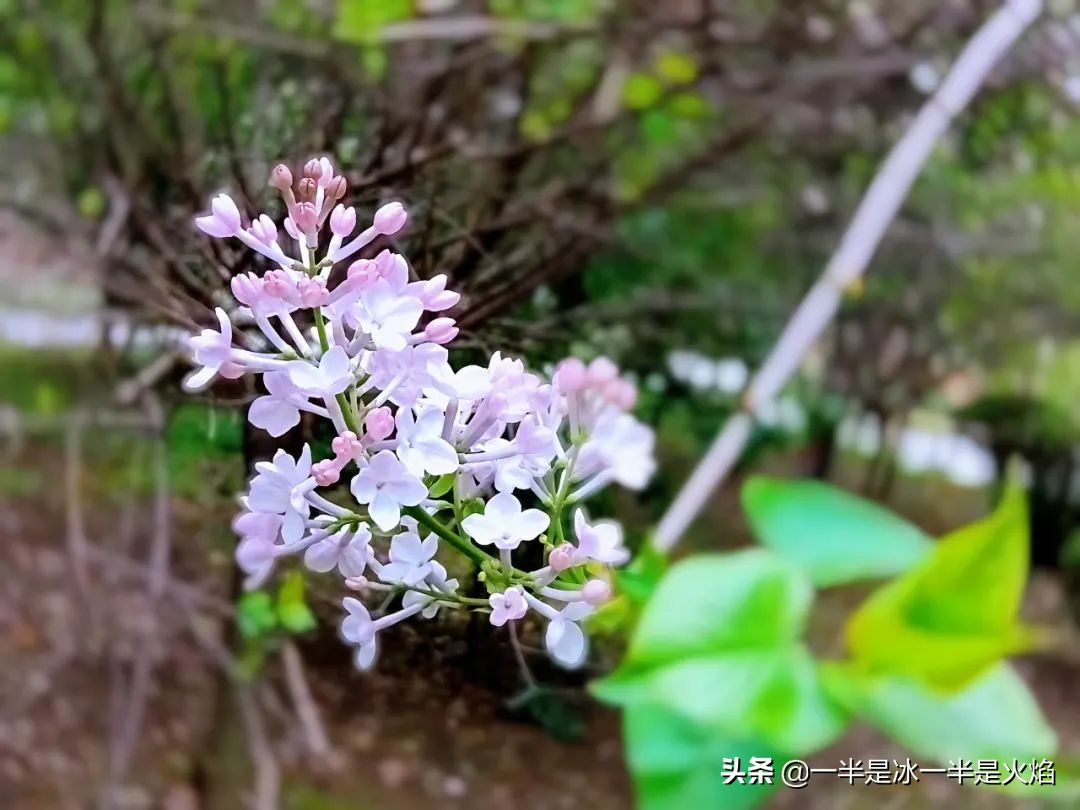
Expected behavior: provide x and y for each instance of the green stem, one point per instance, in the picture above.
(437, 526)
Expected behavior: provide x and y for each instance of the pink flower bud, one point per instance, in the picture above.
(305, 189)
(621, 393)
(596, 592)
(346, 446)
(335, 187)
(313, 169)
(379, 424)
(306, 218)
(390, 218)
(264, 229)
(313, 292)
(247, 288)
(441, 330)
(278, 283)
(342, 220)
(602, 370)
(570, 375)
(281, 178)
(561, 557)
(226, 211)
(325, 472)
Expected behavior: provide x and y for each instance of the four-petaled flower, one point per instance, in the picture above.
(421, 446)
(410, 559)
(385, 485)
(347, 550)
(510, 605)
(272, 491)
(504, 524)
(330, 378)
(601, 541)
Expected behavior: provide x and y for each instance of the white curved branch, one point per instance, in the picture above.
(877, 209)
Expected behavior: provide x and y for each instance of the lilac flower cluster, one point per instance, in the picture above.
(439, 457)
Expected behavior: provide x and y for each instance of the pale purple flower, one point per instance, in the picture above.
(210, 349)
(504, 524)
(358, 628)
(385, 485)
(347, 550)
(387, 316)
(564, 639)
(330, 377)
(272, 489)
(410, 559)
(278, 411)
(433, 294)
(510, 605)
(620, 445)
(342, 220)
(263, 229)
(601, 542)
(421, 447)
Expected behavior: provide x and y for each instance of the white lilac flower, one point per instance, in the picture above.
(330, 377)
(278, 411)
(421, 446)
(400, 413)
(621, 446)
(510, 605)
(504, 524)
(347, 550)
(385, 485)
(410, 559)
(564, 638)
(600, 542)
(388, 317)
(272, 490)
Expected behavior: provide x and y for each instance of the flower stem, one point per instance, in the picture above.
(437, 526)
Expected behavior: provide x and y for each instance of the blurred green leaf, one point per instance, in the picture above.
(949, 619)
(713, 602)
(641, 91)
(678, 764)
(676, 67)
(255, 615)
(834, 536)
(360, 20)
(292, 610)
(638, 579)
(994, 717)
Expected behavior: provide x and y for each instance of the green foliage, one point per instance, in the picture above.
(552, 709)
(949, 619)
(359, 21)
(834, 536)
(292, 610)
(255, 614)
(716, 658)
(993, 717)
(716, 667)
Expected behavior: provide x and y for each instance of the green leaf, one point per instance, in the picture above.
(834, 536)
(255, 614)
(638, 580)
(641, 91)
(948, 620)
(713, 602)
(773, 694)
(359, 21)
(441, 485)
(994, 717)
(292, 610)
(679, 764)
(676, 67)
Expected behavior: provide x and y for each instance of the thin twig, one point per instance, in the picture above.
(877, 209)
(315, 738)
